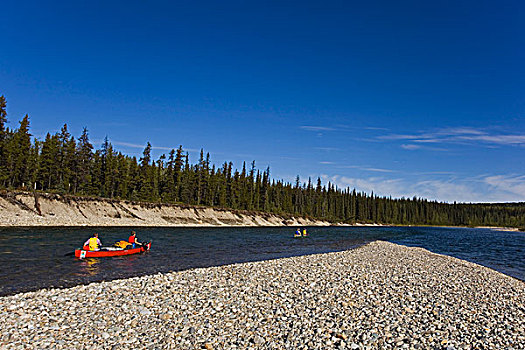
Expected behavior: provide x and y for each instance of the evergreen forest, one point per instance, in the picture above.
(63, 164)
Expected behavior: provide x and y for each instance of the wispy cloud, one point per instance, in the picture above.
(448, 191)
(367, 168)
(493, 188)
(410, 147)
(461, 135)
(326, 162)
(375, 128)
(512, 185)
(462, 131)
(420, 146)
(341, 127)
(368, 185)
(379, 170)
(497, 139)
(316, 128)
(327, 149)
(435, 173)
(135, 145)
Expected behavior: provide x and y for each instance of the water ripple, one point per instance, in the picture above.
(33, 258)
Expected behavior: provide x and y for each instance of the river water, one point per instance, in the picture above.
(35, 258)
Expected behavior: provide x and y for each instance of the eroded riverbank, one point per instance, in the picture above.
(25, 209)
(382, 295)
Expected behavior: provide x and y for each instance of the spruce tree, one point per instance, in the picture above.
(3, 138)
(111, 174)
(177, 173)
(66, 161)
(169, 178)
(146, 177)
(19, 154)
(84, 156)
(62, 164)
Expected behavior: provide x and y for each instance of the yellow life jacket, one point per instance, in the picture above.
(93, 243)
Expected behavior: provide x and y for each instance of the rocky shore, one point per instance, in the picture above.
(39, 209)
(380, 295)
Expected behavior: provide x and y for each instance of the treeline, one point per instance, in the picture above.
(64, 164)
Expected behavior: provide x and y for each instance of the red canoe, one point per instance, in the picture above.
(106, 252)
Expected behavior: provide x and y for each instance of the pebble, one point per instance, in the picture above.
(380, 295)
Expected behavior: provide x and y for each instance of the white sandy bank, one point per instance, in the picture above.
(22, 209)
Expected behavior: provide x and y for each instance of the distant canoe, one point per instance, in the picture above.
(108, 252)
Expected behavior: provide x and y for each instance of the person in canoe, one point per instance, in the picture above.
(297, 233)
(304, 232)
(133, 239)
(93, 243)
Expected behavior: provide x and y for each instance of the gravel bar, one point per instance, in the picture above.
(380, 295)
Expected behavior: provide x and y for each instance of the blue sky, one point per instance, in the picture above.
(404, 98)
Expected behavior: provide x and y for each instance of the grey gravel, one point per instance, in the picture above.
(379, 296)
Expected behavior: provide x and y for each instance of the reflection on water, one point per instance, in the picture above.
(33, 258)
(89, 267)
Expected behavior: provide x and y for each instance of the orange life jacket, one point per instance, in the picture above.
(122, 244)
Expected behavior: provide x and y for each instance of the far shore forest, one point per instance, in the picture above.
(64, 164)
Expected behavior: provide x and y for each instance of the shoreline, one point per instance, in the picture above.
(24, 209)
(504, 229)
(381, 295)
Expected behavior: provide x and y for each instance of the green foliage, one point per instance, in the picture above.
(64, 165)
(18, 155)
(83, 164)
(3, 142)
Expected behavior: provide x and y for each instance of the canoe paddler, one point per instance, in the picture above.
(133, 239)
(298, 233)
(93, 243)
